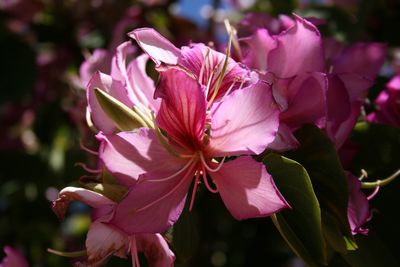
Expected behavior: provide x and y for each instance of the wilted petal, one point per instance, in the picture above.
(183, 108)
(156, 46)
(68, 194)
(155, 203)
(156, 250)
(299, 50)
(358, 208)
(247, 189)
(245, 122)
(103, 241)
(112, 87)
(127, 155)
(13, 258)
(365, 59)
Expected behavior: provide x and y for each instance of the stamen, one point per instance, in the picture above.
(134, 253)
(195, 185)
(74, 254)
(189, 173)
(86, 168)
(84, 148)
(232, 31)
(363, 175)
(373, 193)
(222, 74)
(383, 182)
(230, 87)
(206, 181)
(203, 161)
(203, 66)
(173, 175)
(210, 79)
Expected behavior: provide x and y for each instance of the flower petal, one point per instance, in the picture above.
(205, 63)
(156, 250)
(247, 189)
(183, 108)
(98, 61)
(299, 50)
(114, 88)
(155, 203)
(141, 85)
(246, 121)
(284, 140)
(259, 46)
(13, 258)
(156, 46)
(365, 59)
(358, 211)
(306, 98)
(127, 155)
(68, 194)
(103, 241)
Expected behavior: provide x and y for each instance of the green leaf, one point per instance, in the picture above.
(186, 239)
(318, 155)
(332, 233)
(301, 225)
(125, 119)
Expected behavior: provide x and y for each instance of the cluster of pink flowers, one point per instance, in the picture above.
(203, 122)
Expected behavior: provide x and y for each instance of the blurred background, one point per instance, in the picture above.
(42, 118)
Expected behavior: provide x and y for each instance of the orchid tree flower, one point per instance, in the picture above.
(388, 104)
(352, 71)
(104, 240)
(128, 87)
(192, 146)
(13, 258)
(218, 72)
(293, 62)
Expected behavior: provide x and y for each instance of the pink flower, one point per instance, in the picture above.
(388, 104)
(13, 258)
(358, 211)
(353, 70)
(241, 124)
(104, 240)
(202, 62)
(293, 62)
(128, 83)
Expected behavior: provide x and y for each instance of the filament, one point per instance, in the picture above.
(212, 190)
(90, 151)
(374, 193)
(196, 183)
(134, 253)
(173, 175)
(203, 161)
(86, 168)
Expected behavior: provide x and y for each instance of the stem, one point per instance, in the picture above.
(383, 182)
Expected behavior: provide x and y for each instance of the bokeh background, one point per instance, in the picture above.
(42, 107)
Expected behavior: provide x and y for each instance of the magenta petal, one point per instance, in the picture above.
(13, 258)
(246, 121)
(98, 61)
(259, 46)
(127, 155)
(141, 85)
(247, 189)
(299, 50)
(204, 62)
(114, 88)
(68, 194)
(284, 140)
(120, 60)
(306, 98)
(156, 250)
(103, 241)
(156, 46)
(155, 203)
(365, 59)
(358, 208)
(183, 108)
